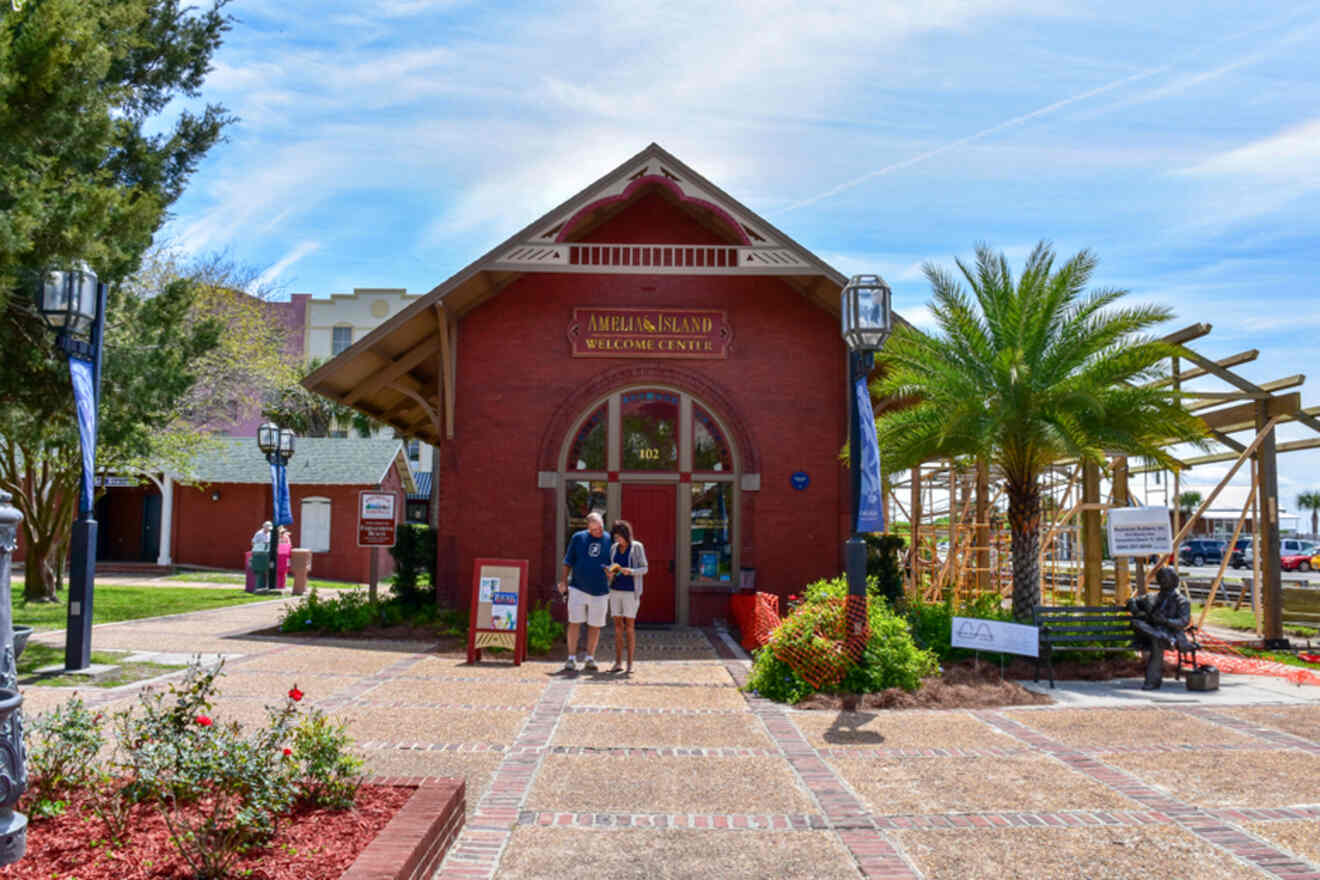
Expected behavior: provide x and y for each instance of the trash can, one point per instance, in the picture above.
(260, 568)
(301, 565)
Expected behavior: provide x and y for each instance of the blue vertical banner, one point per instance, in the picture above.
(279, 481)
(84, 397)
(871, 509)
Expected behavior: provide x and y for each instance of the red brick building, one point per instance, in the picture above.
(650, 349)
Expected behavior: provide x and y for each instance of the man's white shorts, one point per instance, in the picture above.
(586, 608)
(623, 603)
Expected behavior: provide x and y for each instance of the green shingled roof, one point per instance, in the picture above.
(320, 461)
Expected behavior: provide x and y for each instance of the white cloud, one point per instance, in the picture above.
(272, 274)
(1290, 157)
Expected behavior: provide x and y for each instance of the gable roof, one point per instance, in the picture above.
(397, 373)
(317, 461)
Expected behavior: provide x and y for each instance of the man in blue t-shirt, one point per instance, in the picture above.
(588, 599)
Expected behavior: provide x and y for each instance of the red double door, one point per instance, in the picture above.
(651, 511)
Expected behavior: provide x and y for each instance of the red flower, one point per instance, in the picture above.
(295, 694)
(203, 720)
(287, 751)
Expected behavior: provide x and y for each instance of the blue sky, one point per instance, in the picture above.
(388, 144)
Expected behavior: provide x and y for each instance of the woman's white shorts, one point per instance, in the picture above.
(623, 603)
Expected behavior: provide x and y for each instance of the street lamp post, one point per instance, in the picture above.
(276, 444)
(73, 303)
(866, 324)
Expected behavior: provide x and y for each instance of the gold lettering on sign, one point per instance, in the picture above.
(641, 332)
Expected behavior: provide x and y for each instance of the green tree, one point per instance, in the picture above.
(1189, 501)
(1311, 501)
(290, 405)
(1026, 373)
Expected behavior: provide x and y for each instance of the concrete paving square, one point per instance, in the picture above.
(471, 693)
(238, 681)
(900, 730)
(453, 666)
(1110, 853)
(334, 661)
(902, 786)
(633, 784)
(643, 729)
(661, 672)
(1299, 720)
(559, 853)
(1101, 728)
(1300, 838)
(434, 725)
(657, 697)
(1276, 778)
(475, 767)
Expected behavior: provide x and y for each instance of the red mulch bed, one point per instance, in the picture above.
(312, 844)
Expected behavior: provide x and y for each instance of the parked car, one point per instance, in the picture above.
(1199, 551)
(1295, 555)
(1315, 562)
(1241, 556)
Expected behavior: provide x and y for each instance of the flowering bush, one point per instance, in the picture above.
(326, 773)
(815, 629)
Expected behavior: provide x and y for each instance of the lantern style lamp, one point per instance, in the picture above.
(866, 324)
(286, 444)
(268, 438)
(68, 300)
(867, 320)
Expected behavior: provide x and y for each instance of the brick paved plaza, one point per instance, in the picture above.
(675, 773)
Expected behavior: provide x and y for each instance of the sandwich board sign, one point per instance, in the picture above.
(977, 634)
(376, 518)
(499, 608)
(1140, 531)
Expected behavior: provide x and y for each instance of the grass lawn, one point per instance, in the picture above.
(37, 655)
(1242, 619)
(114, 602)
(220, 577)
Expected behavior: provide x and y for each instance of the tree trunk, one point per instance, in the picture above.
(1024, 526)
(39, 572)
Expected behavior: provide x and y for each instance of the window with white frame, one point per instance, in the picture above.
(315, 522)
(414, 450)
(340, 339)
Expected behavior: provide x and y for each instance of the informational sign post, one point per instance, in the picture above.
(1140, 531)
(977, 634)
(499, 607)
(377, 513)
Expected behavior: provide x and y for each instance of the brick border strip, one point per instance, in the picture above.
(875, 854)
(414, 842)
(1208, 826)
(477, 852)
(708, 821)
(1276, 738)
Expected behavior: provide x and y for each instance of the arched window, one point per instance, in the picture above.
(710, 451)
(588, 450)
(648, 420)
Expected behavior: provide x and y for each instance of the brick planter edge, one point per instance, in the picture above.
(415, 841)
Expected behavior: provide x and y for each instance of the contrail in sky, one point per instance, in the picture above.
(985, 132)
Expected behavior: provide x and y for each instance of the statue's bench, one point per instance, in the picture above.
(1089, 628)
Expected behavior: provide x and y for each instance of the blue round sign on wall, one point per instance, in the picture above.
(800, 480)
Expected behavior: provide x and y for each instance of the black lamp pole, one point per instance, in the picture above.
(73, 304)
(277, 445)
(854, 552)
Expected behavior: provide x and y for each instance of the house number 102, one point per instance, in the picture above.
(651, 454)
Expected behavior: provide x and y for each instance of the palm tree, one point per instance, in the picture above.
(1189, 501)
(1028, 373)
(1311, 501)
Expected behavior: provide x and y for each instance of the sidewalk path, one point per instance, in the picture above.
(676, 773)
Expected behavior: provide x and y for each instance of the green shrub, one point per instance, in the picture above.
(328, 773)
(348, 611)
(413, 582)
(932, 622)
(884, 567)
(890, 658)
(62, 745)
(543, 631)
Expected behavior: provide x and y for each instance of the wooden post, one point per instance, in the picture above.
(372, 575)
(1122, 586)
(982, 539)
(1092, 543)
(914, 521)
(1271, 582)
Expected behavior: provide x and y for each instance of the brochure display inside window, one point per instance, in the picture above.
(711, 532)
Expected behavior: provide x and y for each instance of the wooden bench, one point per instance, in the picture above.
(1093, 628)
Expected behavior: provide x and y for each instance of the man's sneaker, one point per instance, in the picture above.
(569, 665)
(589, 665)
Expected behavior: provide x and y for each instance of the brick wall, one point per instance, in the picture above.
(784, 376)
(216, 534)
